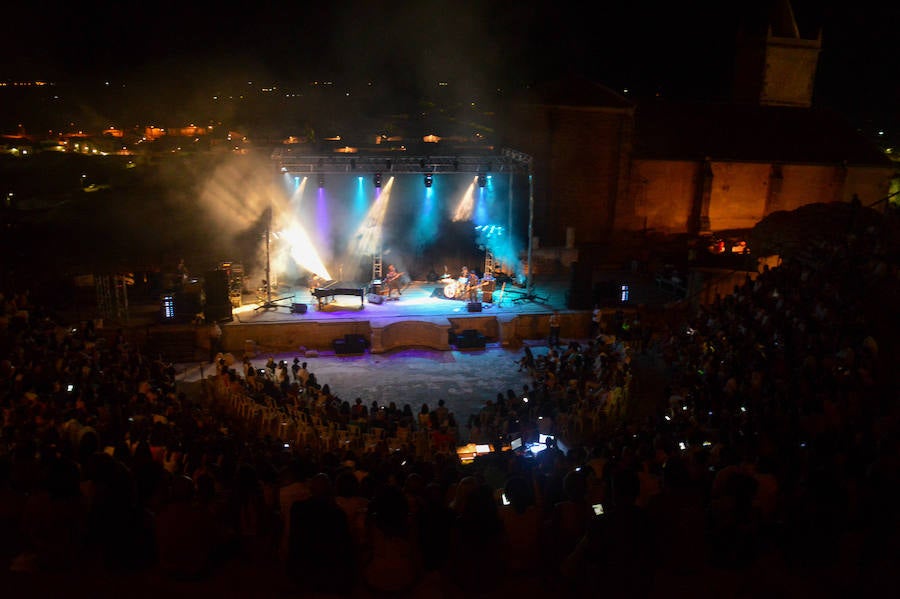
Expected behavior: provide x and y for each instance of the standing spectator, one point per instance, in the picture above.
(302, 375)
(479, 545)
(215, 341)
(320, 544)
(553, 340)
(294, 489)
(393, 561)
(596, 321)
(522, 521)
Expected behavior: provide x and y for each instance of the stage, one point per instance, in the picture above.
(422, 315)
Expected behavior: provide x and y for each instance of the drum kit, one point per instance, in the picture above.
(460, 289)
(457, 289)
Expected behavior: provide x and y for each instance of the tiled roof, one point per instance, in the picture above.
(744, 132)
(574, 91)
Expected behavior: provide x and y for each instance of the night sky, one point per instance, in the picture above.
(681, 50)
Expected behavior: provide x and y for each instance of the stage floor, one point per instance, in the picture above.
(420, 300)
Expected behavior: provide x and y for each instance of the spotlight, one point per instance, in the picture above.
(321, 181)
(428, 179)
(482, 180)
(377, 179)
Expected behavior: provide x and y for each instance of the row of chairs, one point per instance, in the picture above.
(588, 420)
(295, 427)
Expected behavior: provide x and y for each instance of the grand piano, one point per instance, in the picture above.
(327, 292)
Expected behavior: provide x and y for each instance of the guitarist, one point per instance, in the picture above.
(472, 286)
(392, 281)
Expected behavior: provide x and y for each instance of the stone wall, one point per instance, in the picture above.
(239, 338)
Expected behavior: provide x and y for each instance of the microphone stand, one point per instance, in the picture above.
(270, 303)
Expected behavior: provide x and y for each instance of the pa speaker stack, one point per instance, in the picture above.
(350, 344)
(218, 297)
(470, 339)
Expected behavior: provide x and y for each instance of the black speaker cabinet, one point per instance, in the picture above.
(474, 307)
(187, 304)
(298, 308)
(218, 313)
(349, 345)
(356, 343)
(216, 287)
(470, 339)
(374, 298)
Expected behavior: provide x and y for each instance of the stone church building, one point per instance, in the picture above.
(604, 164)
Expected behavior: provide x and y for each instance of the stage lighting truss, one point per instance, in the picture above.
(429, 179)
(377, 179)
(474, 163)
(482, 180)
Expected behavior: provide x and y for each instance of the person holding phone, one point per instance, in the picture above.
(522, 521)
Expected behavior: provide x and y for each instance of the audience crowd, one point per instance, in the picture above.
(770, 462)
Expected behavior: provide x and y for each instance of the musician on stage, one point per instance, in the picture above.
(472, 286)
(313, 281)
(392, 281)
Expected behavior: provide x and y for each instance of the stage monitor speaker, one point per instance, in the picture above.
(216, 287)
(350, 344)
(470, 339)
(298, 308)
(474, 307)
(374, 298)
(357, 344)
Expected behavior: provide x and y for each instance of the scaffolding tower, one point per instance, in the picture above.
(112, 296)
(376, 266)
(488, 260)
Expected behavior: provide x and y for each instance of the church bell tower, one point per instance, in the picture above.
(775, 65)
